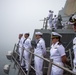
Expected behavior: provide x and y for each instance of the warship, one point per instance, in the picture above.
(68, 35)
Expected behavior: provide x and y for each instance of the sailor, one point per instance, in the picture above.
(27, 47)
(73, 21)
(41, 51)
(20, 43)
(54, 22)
(57, 53)
(21, 39)
(50, 18)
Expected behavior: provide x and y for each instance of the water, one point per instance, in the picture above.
(4, 60)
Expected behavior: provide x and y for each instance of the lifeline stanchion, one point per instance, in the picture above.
(30, 62)
(50, 67)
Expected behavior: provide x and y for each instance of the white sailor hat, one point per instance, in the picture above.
(55, 34)
(38, 33)
(27, 33)
(20, 33)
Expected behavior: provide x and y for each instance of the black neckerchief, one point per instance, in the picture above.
(24, 41)
(37, 41)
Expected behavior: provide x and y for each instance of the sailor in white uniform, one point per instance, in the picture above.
(50, 17)
(27, 47)
(54, 22)
(57, 53)
(73, 21)
(20, 50)
(41, 51)
(19, 37)
(74, 60)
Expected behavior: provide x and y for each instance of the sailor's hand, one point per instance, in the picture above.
(47, 18)
(23, 48)
(44, 54)
(31, 48)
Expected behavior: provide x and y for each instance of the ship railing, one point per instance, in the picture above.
(50, 61)
(69, 54)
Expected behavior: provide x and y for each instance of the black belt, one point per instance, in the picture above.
(74, 44)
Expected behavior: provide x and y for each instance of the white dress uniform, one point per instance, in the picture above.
(27, 46)
(54, 22)
(20, 49)
(39, 50)
(56, 52)
(73, 21)
(74, 48)
(50, 19)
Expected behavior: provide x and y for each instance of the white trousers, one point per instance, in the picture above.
(74, 60)
(38, 65)
(74, 63)
(20, 52)
(50, 24)
(27, 59)
(56, 70)
(55, 25)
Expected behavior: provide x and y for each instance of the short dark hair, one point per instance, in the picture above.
(27, 34)
(40, 35)
(59, 39)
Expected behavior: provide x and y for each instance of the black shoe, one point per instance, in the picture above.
(26, 72)
(22, 66)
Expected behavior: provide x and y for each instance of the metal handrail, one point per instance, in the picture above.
(18, 65)
(25, 61)
(51, 63)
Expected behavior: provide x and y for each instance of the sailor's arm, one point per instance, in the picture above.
(48, 17)
(43, 48)
(27, 44)
(20, 44)
(61, 50)
(64, 59)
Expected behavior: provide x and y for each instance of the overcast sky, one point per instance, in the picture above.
(23, 16)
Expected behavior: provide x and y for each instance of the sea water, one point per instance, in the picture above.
(4, 61)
